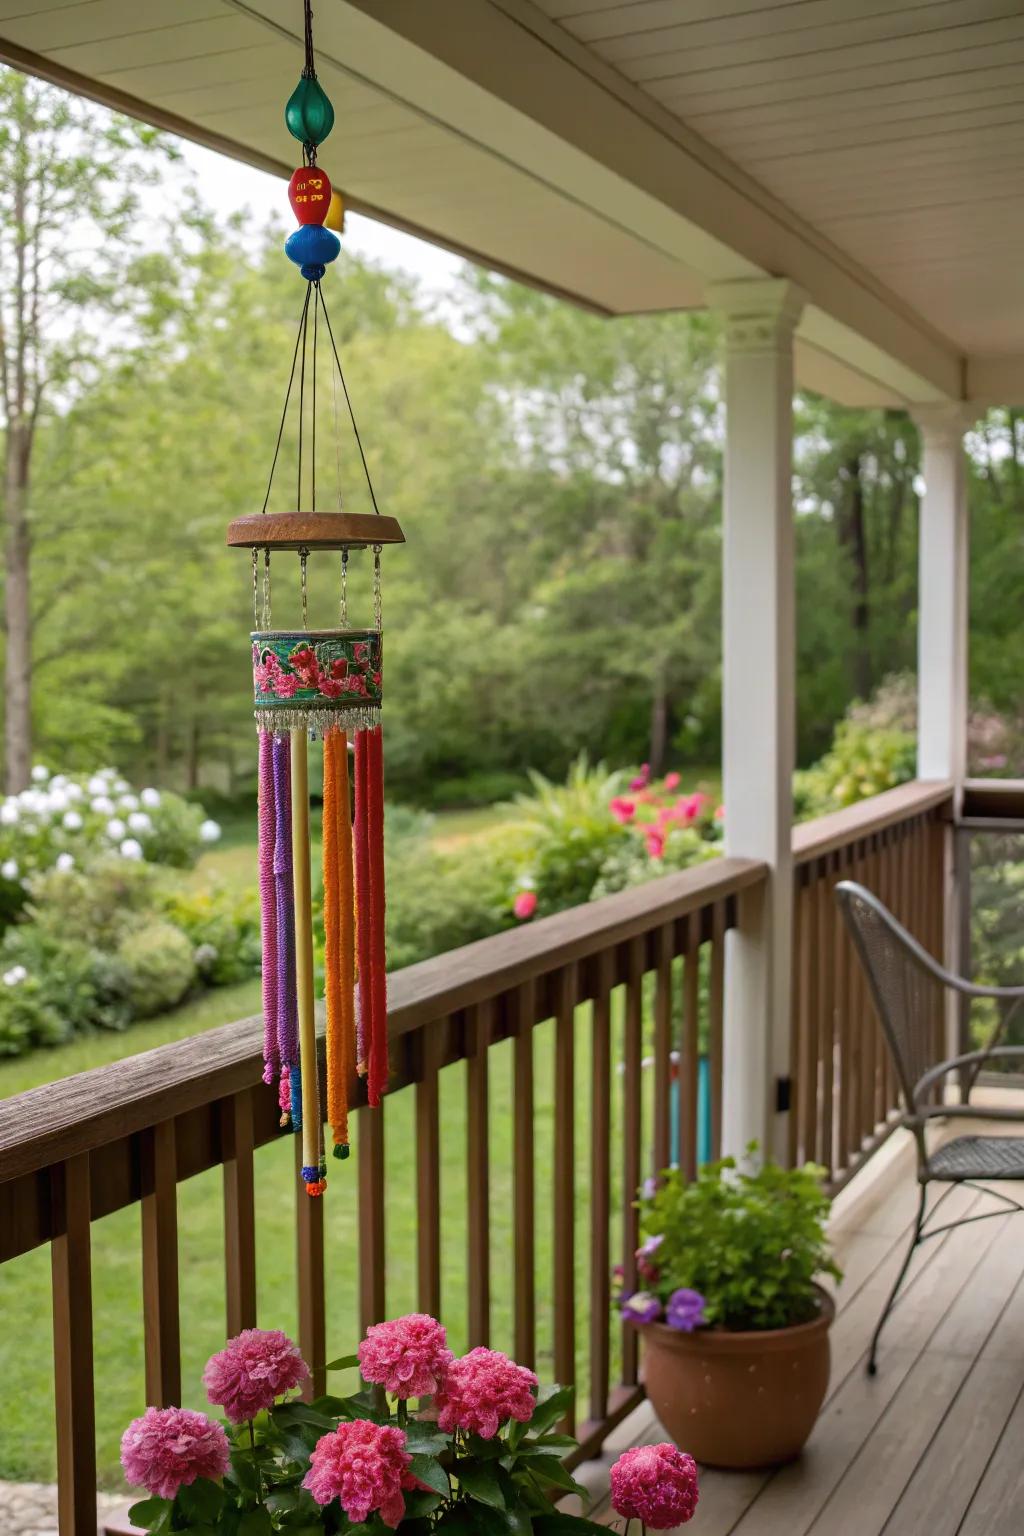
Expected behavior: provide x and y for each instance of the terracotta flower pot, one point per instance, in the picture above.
(739, 1399)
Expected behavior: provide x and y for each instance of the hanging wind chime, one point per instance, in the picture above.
(323, 683)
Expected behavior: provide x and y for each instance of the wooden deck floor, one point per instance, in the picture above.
(934, 1445)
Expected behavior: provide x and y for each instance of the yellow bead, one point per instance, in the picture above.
(336, 213)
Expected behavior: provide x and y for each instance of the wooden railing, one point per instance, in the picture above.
(631, 980)
(844, 1093)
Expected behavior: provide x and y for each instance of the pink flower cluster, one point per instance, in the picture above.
(170, 1447)
(362, 1465)
(525, 905)
(251, 1371)
(407, 1356)
(482, 1390)
(654, 816)
(656, 1484)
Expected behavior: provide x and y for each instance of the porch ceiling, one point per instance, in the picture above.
(627, 154)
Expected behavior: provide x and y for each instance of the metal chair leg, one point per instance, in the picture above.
(918, 1225)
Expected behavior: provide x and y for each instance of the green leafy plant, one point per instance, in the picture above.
(749, 1243)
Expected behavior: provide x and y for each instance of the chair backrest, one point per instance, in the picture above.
(908, 995)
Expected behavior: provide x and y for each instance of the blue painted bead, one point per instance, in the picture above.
(312, 246)
(313, 272)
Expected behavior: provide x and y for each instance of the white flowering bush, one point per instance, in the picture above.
(97, 929)
(66, 820)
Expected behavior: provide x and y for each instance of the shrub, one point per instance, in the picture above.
(750, 1243)
(159, 967)
(862, 761)
(60, 984)
(223, 929)
(97, 905)
(65, 821)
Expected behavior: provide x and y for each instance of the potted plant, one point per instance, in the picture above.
(734, 1319)
(484, 1459)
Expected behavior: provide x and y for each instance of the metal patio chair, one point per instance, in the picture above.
(908, 987)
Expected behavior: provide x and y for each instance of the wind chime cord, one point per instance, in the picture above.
(287, 397)
(302, 393)
(316, 311)
(351, 412)
(309, 72)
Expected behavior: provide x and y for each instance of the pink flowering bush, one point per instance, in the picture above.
(655, 1484)
(480, 1446)
(168, 1448)
(251, 1371)
(408, 1356)
(482, 1390)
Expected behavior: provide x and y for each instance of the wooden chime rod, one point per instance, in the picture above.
(304, 949)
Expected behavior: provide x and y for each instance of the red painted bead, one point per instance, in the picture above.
(309, 193)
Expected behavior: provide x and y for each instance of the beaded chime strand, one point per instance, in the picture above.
(319, 683)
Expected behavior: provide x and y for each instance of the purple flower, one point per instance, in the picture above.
(649, 1187)
(645, 1256)
(685, 1310)
(640, 1307)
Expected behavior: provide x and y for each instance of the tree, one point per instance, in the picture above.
(75, 279)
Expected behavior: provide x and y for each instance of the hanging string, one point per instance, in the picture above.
(343, 605)
(378, 607)
(255, 587)
(267, 611)
(337, 435)
(351, 412)
(316, 311)
(302, 392)
(304, 577)
(287, 396)
(308, 71)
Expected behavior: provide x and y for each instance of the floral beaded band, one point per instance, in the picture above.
(323, 678)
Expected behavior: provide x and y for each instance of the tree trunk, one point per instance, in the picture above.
(853, 535)
(17, 616)
(659, 726)
(192, 768)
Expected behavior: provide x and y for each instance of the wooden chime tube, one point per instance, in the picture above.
(304, 955)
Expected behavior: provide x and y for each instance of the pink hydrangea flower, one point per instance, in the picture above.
(482, 1390)
(655, 842)
(673, 780)
(656, 1484)
(525, 905)
(362, 1466)
(168, 1448)
(642, 778)
(407, 1356)
(251, 1371)
(622, 809)
(285, 685)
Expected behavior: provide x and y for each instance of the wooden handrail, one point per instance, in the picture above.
(46, 1125)
(826, 834)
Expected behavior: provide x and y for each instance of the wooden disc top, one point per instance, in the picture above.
(313, 530)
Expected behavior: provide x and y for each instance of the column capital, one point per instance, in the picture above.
(761, 313)
(944, 422)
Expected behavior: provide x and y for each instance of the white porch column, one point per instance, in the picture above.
(758, 693)
(942, 596)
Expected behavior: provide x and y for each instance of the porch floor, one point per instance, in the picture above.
(932, 1445)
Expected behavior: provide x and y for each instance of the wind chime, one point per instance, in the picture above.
(323, 683)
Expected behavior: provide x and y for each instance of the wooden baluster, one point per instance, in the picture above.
(826, 1011)
(479, 1028)
(428, 1173)
(716, 1014)
(631, 1130)
(309, 1232)
(71, 1268)
(662, 1152)
(239, 1212)
(847, 1080)
(874, 880)
(689, 1056)
(797, 1086)
(159, 1207)
(372, 1293)
(808, 992)
(600, 1187)
(564, 1170)
(523, 1180)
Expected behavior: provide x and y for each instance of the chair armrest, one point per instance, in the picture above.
(970, 1059)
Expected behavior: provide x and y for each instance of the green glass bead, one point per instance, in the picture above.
(341, 1149)
(309, 114)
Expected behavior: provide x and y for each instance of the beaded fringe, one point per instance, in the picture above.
(319, 721)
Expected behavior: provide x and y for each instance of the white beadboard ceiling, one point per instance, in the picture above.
(626, 154)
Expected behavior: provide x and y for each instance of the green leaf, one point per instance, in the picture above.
(550, 1470)
(282, 1501)
(255, 1522)
(425, 1439)
(343, 1363)
(148, 1513)
(201, 1501)
(480, 1481)
(551, 1406)
(559, 1524)
(419, 1503)
(431, 1472)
